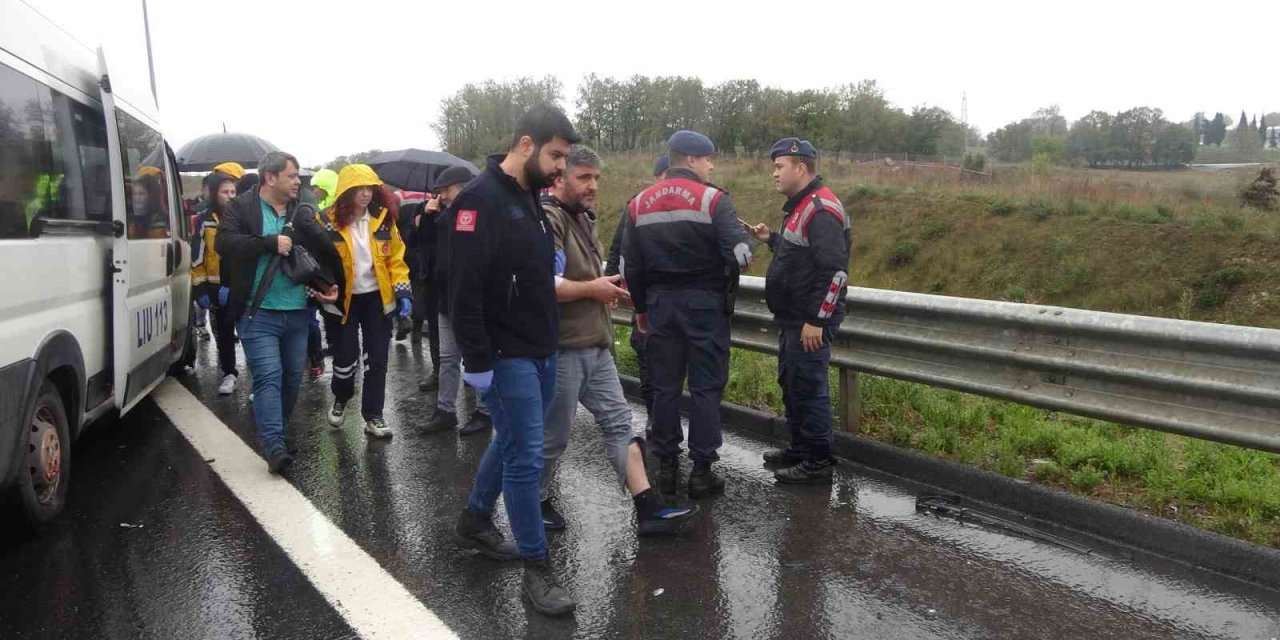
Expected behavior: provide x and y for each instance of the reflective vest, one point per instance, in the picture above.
(205, 263)
(796, 230)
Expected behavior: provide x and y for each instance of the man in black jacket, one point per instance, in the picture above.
(502, 304)
(261, 224)
(805, 290)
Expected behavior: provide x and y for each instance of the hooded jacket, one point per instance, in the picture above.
(384, 240)
(205, 262)
(326, 179)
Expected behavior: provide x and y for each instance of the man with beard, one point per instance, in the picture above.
(585, 371)
(502, 304)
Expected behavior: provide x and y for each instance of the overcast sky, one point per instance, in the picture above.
(321, 78)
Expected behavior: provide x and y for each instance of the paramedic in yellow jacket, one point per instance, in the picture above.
(206, 275)
(375, 283)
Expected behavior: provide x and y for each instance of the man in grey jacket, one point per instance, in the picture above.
(585, 370)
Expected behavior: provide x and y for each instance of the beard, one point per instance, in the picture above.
(538, 179)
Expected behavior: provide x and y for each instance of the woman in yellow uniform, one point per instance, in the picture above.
(375, 284)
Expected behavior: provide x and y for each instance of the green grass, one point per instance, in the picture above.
(1171, 244)
(1222, 488)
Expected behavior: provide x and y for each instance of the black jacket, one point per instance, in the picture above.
(240, 244)
(806, 280)
(501, 291)
(613, 265)
(694, 250)
(409, 234)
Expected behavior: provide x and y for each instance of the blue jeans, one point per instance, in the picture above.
(275, 345)
(512, 465)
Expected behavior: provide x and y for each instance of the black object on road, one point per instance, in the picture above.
(951, 506)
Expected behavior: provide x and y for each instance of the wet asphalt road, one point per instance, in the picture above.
(854, 560)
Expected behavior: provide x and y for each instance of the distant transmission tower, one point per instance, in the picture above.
(964, 119)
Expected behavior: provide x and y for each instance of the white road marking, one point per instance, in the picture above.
(358, 588)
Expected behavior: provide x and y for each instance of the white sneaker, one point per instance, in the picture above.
(228, 385)
(377, 428)
(336, 413)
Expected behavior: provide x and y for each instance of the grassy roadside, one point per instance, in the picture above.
(1229, 490)
(1170, 244)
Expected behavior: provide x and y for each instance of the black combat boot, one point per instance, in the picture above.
(703, 481)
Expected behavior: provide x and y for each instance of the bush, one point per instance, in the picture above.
(903, 253)
(935, 229)
(1229, 277)
(1039, 210)
(1087, 478)
(975, 161)
(1002, 208)
(1208, 298)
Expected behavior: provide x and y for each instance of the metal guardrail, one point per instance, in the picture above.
(1210, 381)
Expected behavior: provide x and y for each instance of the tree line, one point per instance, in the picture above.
(1138, 137)
(640, 112)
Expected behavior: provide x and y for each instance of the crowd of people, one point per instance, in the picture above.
(507, 273)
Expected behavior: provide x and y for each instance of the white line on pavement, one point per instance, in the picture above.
(358, 588)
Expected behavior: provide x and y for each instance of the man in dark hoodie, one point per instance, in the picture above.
(502, 304)
(274, 336)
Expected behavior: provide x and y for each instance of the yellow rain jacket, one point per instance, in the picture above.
(384, 240)
(326, 179)
(204, 260)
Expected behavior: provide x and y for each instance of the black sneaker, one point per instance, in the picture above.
(551, 519)
(807, 472)
(656, 517)
(337, 412)
(786, 456)
(279, 462)
(402, 329)
(440, 420)
(430, 383)
(544, 591)
(479, 422)
(703, 481)
(668, 475)
(476, 531)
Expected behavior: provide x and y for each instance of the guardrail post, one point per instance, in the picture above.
(850, 401)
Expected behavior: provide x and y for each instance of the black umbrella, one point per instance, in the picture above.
(206, 152)
(414, 169)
